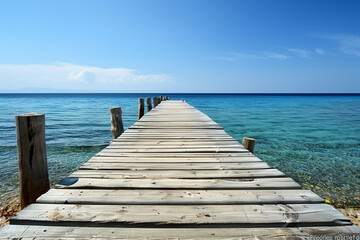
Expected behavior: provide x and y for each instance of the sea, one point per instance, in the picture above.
(312, 138)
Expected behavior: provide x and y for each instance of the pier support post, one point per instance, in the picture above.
(32, 160)
(161, 99)
(155, 101)
(117, 127)
(148, 104)
(249, 144)
(141, 108)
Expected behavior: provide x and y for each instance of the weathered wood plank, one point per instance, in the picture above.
(175, 150)
(174, 159)
(179, 146)
(175, 127)
(280, 215)
(180, 174)
(140, 143)
(55, 232)
(173, 155)
(252, 183)
(178, 197)
(173, 166)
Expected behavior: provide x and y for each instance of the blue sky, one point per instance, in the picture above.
(224, 46)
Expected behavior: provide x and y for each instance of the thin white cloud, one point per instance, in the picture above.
(348, 44)
(71, 76)
(259, 55)
(300, 52)
(320, 51)
(275, 55)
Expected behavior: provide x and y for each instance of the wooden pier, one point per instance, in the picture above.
(177, 174)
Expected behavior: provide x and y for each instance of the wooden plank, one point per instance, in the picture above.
(174, 123)
(169, 138)
(178, 197)
(208, 132)
(173, 160)
(55, 232)
(173, 166)
(277, 215)
(121, 142)
(174, 127)
(252, 183)
(179, 146)
(147, 139)
(180, 174)
(175, 150)
(173, 155)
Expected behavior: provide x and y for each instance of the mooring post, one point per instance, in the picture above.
(32, 160)
(160, 99)
(117, 127)
(249, 144)
(148, 104)
(154, 101)
(141, 108)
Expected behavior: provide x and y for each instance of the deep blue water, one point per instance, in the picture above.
(314, 139)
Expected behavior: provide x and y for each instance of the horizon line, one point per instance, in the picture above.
(198, 93)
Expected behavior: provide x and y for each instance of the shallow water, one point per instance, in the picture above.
(313, 139)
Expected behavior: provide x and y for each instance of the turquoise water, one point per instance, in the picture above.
(314, 139)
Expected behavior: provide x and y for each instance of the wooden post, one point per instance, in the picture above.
(117, 127)
(161, 99)
(154, 101)
(249, 144)
(141, 108)
(148, 104)
(32, 160)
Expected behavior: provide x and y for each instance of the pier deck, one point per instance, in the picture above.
(177, 174)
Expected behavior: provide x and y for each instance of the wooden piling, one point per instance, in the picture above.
(249, 144)
(154, 101)
(161, 99)
(148, 104)
(32, 160)
(141, 108)
(117, 127)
